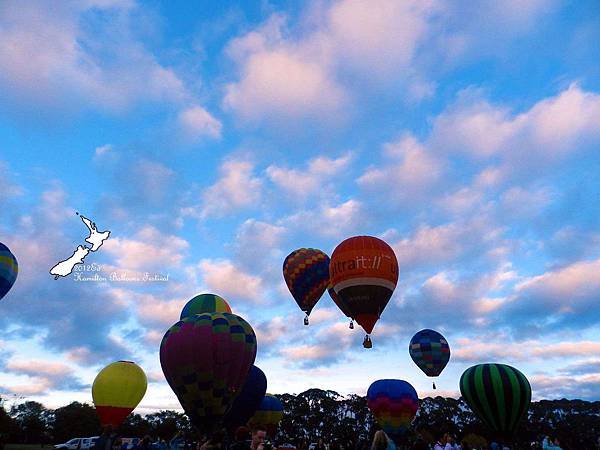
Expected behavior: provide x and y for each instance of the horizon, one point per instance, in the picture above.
(213, 140)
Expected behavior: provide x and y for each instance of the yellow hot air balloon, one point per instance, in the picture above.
(117, 390)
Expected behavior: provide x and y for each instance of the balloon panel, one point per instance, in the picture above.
(205, 303)
(364, 272)
(9, 269)
(206, 359)
(499, 394)
(306, 273)
(430, 351)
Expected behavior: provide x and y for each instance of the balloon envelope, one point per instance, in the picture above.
(268, 414)
(248, 400)
(205, 303)
(117, 390)
(306, 273)
(206, 359)
(9, 268)
(338, 301)
(394, 404)
(363, 272)
(499, 394)
(430, 351)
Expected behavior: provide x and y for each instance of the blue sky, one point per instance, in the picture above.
(214, 139)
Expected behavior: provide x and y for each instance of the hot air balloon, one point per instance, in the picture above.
(498, 394)
(394, 403)
(206, 359)
(306, 273)
(205, 303)
(117, 390)
(9, 268)
(248, 400)
(363, 272)
(340, 304)
(430, 351)
(268, 414)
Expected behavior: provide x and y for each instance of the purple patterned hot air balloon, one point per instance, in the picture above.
(206, 359)
(394, 404)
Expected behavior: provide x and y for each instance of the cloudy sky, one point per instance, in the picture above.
(213, 138)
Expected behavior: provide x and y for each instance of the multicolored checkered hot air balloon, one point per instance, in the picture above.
(205, 303)
(268, 414)
(306, 273)
(9, 268)
(248, 400)
(206, 359)
(430, 351)
(394, 404)
(117, 390)
(498, 394)
(363, 272)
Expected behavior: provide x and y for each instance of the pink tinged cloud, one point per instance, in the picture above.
(224, 278)
(196, 122)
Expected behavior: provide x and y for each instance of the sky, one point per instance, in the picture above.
(214, 138)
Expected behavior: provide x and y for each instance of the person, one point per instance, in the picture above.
(259, 434)
(381, 441)
(144, 444)
(176, 441)
(241, 437)
(106, 439)
(420, 444)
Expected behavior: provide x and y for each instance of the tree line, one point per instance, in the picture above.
(344, 422)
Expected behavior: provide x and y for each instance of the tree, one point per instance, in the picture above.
(33, 421)
(166, 423)
(75, 420)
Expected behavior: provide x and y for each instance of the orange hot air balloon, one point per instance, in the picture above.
(117, 390)
(363, 272)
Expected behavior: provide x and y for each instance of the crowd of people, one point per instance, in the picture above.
(257, 439)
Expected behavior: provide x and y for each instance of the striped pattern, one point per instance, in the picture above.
(9, 268)
(306, 273)
(497, 393)
(205, 303)
(430, 351)
(394, 404)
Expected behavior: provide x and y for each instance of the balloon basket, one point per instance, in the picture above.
(367, 342)
(306, 320)
(434, 386)
(351, 325)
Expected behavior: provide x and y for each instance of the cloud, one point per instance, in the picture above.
(222, 276)
(564, 297)
(166, 250)
(196, 122)
(237, 188)
(258, 242)
(8, 190)
(550, 129)
(57, 56)
(550, 386)
(44, 376)
(410, 173)
(302, 183)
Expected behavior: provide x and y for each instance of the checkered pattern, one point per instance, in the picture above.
(8, 269)
(306, 273)
(430, 351)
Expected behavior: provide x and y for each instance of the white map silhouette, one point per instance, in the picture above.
(96, 238)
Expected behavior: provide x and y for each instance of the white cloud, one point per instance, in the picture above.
(237, 188)
(412, 170)
(329, 220)
(196, 122)
(148, 250)
(301, 183)
(226, 279)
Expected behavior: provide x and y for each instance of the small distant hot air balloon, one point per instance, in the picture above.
(205, 303)
(363, 272)
(206, 359)
(268, 414)
(430, 351)
(394, 404)
(340, 304)
(499, 394)
(248, 400)
(117, 390)
(9, 268)
(306, 273)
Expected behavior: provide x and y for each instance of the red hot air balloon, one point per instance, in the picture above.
(363, 272)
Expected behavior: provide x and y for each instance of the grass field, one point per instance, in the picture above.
(26, 446)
